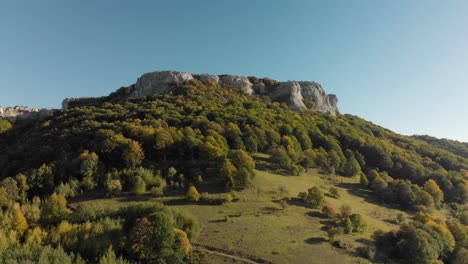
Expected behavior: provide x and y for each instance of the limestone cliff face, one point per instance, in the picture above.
(21, 112)
(298, 94)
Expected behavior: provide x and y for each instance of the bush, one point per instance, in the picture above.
(328, 211)
(334, 192)
(192, 194)
(315, 198)
(157, 191)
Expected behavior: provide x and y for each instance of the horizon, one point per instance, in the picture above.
(403, 72)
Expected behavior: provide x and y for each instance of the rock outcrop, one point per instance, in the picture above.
(16, 113)
(300, 95)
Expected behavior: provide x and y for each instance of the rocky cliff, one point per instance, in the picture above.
(300, 95)
(21, 112)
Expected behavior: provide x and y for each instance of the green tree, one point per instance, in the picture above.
(11, 188)
(315, 197)
(54, 209)
(352, 167)
(152, 240)
(88, 164)
(363, 180)
(138, 185)
(359, 225)
(111, 258)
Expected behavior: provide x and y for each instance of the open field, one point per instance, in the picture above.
(258, 228)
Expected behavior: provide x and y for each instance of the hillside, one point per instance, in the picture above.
(248, 156)
(456, 147)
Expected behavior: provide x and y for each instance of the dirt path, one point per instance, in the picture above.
(227, 255)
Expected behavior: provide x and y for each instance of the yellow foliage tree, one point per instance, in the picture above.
(434, 190)
(192, 194)
(182, 242)
(19, 222)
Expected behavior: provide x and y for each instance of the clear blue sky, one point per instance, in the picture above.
(400, 64)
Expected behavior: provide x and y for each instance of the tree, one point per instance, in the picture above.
(23, 186)
(352, 166)
(35, 237)
(334, 192)
(4, 125)
(333, 232)
(133, 154)
(138, 185)
(378, 185)
(280, 156)
(372, 174)
(113, 187)
(19, 222)
(110, 258)
(328, 210)
(227, 172)
(182, 242)
(347, 225)
(363, 180)
(434, 190)
(54, 209)
(152, 240)
(162, 140)
(315, 197)
(192, 194)
(345, 211)
(89, 164)
(11, 188)
(41, 180)
(359, 225)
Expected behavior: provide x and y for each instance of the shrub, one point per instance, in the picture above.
(315, 198)
(334, 192)
(192, 194)
(328, 210)
(157, 191)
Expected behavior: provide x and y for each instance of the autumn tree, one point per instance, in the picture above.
(162, 140)
(133, 154)
(54, 209)
(434, 190)
(192, 194)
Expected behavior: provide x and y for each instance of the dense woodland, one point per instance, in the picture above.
(206, 134)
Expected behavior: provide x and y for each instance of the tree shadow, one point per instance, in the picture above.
(316, 214)
(315, 240)
(297, 202)
(369, 196)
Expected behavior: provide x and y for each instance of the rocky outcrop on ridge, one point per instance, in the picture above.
(21, 112)
(300, 95)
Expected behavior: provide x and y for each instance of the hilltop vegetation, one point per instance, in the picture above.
(205, 136)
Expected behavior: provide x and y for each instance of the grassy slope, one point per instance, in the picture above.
(258, 227)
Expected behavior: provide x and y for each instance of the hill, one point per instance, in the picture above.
(248, 155)
(456, 147)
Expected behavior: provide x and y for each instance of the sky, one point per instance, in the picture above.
(397, 63)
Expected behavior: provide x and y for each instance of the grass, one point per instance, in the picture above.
(258, 227)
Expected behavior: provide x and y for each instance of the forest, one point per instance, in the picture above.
(203, 136)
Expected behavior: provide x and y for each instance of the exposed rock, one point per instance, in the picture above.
(292, 92)
(159, 82)
(241, 83)
(66, 102)
(16, 113)
(206, 78)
